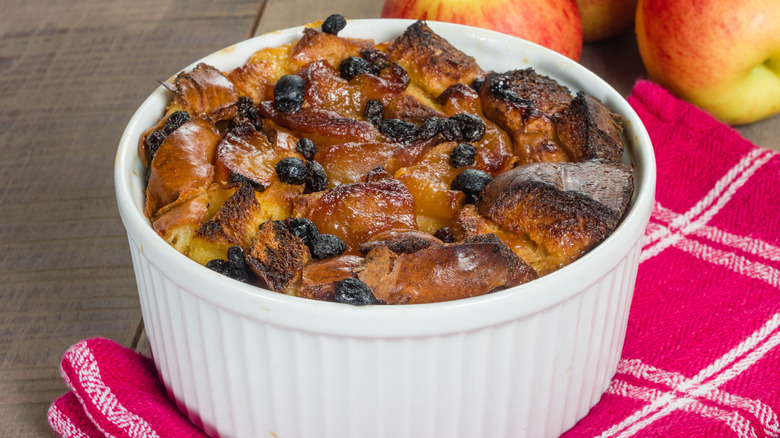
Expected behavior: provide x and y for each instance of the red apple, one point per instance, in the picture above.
(602, 19)
(721, 55)
(554, 24)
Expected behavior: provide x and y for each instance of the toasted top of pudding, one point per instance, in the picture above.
(397, 172)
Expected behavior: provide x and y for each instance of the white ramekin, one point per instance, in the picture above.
(527, 361)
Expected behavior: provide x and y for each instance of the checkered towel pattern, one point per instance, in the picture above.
(702, 351)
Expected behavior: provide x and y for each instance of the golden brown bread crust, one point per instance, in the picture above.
(319, 277)
(558, 206)
(523, 103)
(400, 242)
(204, 92)
(183, 164)
(245, 153)
(315, 45)
(277, 257)
(357, 212)
(443, 272)
(431, 60)
(589, 130)
(237, 219)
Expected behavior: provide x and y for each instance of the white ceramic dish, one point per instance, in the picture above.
(527, 361)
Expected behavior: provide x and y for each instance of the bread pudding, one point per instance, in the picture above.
(399, 172)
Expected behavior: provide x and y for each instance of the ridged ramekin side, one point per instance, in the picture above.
(238, 376)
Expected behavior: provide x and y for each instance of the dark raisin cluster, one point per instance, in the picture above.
(321, 246)
(399, 130)
(248, 112)
(354, 66)
(234, 267)
(464, 126)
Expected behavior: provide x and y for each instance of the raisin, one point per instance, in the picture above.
(292, 170)
(431, 127)
(175, 120)
(234, 267)
(377, 59)
(318, 178)
(451, 131)
(327, 245)
(399, 130)
(289, 93)
(353, 66)
(463, 155)
(153, 142)
(471, 182)
(477, 84)
(303, 228)
(334, 24)
(354, 291)
(306, 148)
(248, 111)
(375, 111)
(445, 235)
(472, 127)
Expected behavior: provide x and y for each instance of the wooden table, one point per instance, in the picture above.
(71, 75)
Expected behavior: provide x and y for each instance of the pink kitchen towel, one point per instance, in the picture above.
(702, 351)
(115, 392)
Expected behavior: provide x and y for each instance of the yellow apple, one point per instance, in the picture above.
(554, 24)
(721, 55)
(602, 19)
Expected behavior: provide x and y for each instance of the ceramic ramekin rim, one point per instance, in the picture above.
(389, 321)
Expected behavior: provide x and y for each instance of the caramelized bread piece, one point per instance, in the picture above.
(406, 107)
(357, 212)
(182, 165)
(319, 277)
(566, 208)
(471, 224)
(327, 90)
(322, 126)
(257, 77)
(277, 257)
(430, 60)
(589, 130)
(401, 242)
(494, 151)
(523, 103)
(237, 219)
(247, 155)
(429, 182)
(348, 163)
(443, 272)
(205, 92)
(177, 222)
(315, 45)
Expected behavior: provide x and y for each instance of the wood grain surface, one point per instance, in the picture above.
(71, 75)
